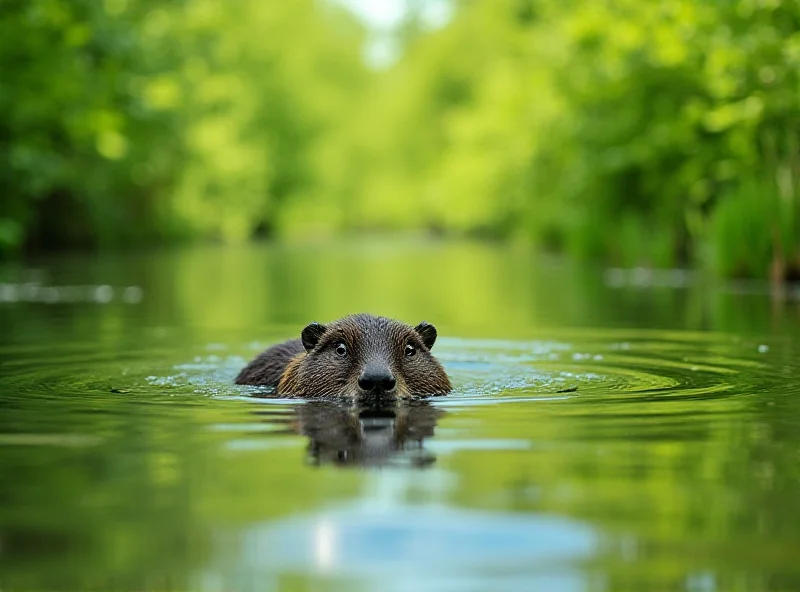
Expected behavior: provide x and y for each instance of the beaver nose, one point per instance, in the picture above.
(377, 378)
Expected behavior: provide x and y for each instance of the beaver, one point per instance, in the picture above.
(360, 356)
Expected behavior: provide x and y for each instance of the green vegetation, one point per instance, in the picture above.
(640, 134)
(128, 122)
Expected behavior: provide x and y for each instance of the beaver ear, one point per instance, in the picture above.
(311, 334)
(427, 332)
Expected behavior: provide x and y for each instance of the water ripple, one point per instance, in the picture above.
(611, 366)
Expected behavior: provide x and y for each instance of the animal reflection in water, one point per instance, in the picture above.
(347, 435)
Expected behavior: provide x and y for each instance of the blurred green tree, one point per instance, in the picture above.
(640, 134)
(134, 121)
(657, 135)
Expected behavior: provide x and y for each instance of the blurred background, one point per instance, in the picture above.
(586, 198)
(637, 134)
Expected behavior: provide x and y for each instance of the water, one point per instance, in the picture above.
(603, 434)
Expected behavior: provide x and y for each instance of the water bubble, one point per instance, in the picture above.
(703, 581)
(9, 292)
(678, 278)
(132, 295)
(642, 277)
(50, 295)
(69, 293)
(29, 292)
(614, 277)
(103, 294)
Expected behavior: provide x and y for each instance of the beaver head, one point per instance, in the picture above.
(363, 356)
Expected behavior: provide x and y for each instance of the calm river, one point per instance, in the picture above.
(609, 430)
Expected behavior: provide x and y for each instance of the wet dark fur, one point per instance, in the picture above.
(310, 367)
(268, 366)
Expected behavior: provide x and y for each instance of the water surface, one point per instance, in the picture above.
(603, 434)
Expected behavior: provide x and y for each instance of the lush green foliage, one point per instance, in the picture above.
(644, 134)
(621, 129)
(127, 121)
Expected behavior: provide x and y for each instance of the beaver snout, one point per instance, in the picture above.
(377, 378)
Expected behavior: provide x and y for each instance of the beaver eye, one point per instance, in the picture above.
(410, 350)
(341, 349)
